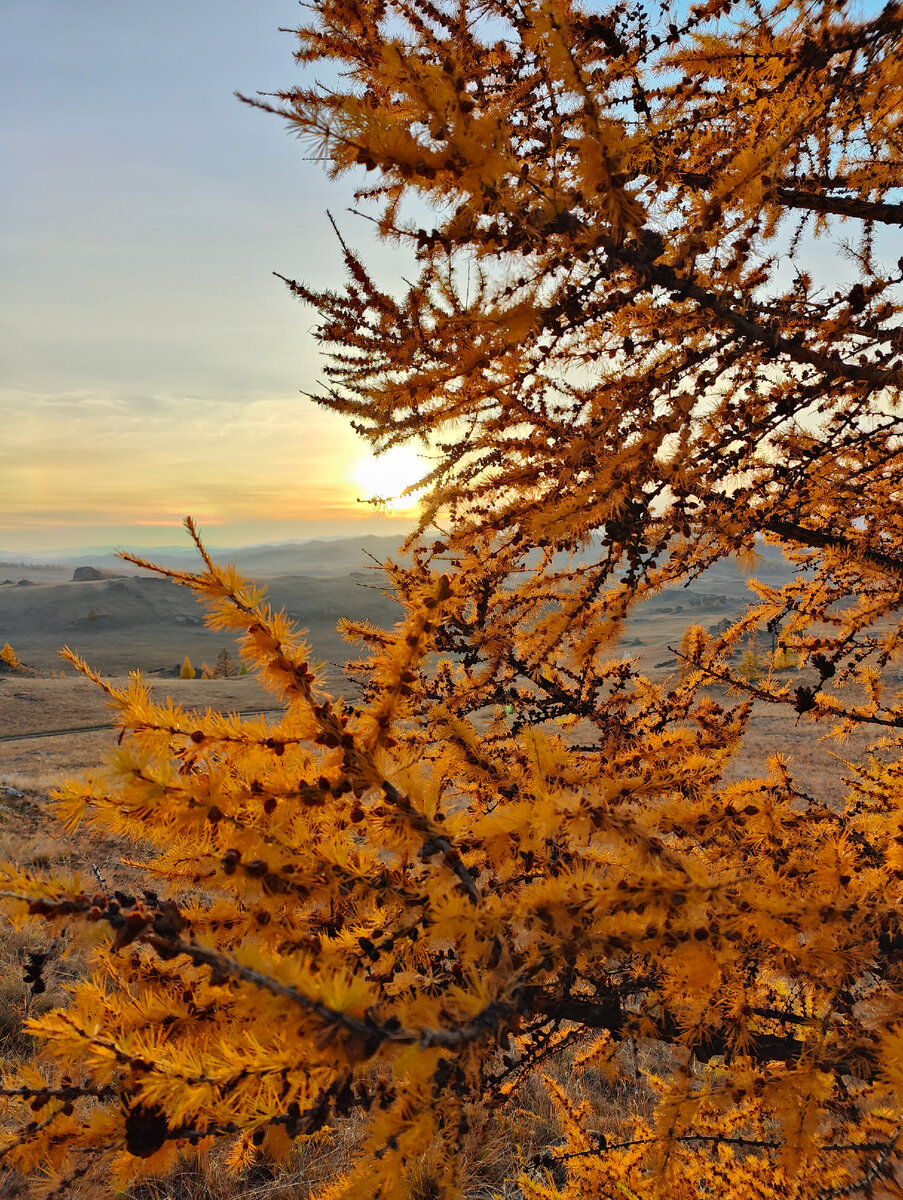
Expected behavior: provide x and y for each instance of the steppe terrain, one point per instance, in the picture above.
(52, 721)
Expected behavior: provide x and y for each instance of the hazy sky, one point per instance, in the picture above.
(150, 363)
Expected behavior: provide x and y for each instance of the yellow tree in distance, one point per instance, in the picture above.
(655, 321)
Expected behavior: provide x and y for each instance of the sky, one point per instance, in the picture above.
(150, 363)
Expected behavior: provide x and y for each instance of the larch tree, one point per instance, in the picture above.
(655, 322)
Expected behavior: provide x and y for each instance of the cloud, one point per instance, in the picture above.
(88, 458)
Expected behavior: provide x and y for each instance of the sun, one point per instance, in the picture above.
(385, 477)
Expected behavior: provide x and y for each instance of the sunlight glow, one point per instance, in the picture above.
(386, 477)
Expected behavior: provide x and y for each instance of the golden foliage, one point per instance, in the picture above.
(398, 912)
(9, 656)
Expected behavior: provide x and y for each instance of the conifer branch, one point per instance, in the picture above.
(381, 919)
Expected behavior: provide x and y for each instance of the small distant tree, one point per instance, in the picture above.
(9, 656)
(226, 667)
(785, 660)
(750, 668)
(187, 671)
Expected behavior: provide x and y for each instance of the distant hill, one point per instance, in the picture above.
(320, 556)
(324, 557)
(151, 623)
(125, 618)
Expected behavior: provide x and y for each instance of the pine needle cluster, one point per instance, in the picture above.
(518, 845)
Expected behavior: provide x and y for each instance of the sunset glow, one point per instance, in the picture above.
(386, 476)
(153, 365)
